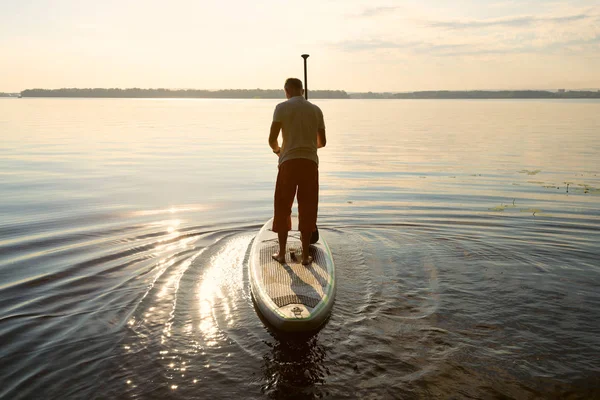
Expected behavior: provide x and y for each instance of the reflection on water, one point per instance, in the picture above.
(466, 243)
(220, 284)
(296, 366)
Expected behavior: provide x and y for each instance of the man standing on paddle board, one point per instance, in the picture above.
(303, 132)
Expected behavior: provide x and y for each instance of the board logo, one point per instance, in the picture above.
(297, 312)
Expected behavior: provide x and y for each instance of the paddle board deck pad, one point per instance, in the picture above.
(291, 297)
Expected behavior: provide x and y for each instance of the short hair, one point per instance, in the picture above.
(293, 83)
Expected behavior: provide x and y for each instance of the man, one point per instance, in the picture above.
(303, 132)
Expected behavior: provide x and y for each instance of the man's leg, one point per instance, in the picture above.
(285, 191)
(308, 204)
(305, 239)
(280, 256)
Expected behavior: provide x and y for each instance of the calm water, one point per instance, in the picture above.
(466, 267)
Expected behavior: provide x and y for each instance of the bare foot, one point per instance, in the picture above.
(307, 260)
(279, 259)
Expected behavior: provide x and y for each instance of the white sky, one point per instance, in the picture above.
(354, 45)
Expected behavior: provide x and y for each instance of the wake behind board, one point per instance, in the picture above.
(292, 297)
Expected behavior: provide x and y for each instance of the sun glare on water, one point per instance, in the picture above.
(222, 279)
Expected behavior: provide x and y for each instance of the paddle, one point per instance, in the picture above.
(305, 56)
(314, 238)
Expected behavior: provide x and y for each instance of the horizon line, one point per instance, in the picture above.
(310, 90)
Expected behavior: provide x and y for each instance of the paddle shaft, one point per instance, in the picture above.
(315, 235)
(305, 56)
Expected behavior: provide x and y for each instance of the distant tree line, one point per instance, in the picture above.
(481, 94)
(8, 94)
(316, 94)
(183, 93)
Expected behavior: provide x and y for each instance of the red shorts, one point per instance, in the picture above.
(299, 174)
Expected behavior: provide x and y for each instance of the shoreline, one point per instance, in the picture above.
(313, 94)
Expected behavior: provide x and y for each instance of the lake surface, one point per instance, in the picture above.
(466, 236)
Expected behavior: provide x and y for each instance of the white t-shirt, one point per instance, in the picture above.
(300, 121)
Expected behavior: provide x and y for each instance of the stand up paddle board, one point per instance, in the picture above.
(292, 297)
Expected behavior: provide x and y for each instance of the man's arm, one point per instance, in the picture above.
(321, 139)
(273, 135)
